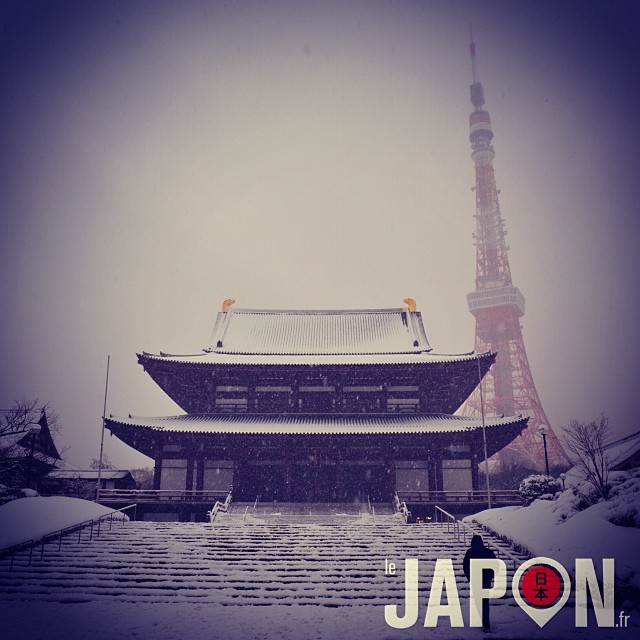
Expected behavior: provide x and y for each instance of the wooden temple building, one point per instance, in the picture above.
(310, 406)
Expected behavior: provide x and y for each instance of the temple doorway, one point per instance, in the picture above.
(367, 480)
(260, 479)
(313, 482)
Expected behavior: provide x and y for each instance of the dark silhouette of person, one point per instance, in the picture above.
(479, 551)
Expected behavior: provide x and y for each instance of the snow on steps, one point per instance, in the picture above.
(309, 513)
(233, 563)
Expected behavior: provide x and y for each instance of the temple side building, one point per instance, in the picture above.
(314, 406)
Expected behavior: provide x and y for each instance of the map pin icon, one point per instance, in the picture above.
(541, 587)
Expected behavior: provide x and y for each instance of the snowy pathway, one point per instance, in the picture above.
(189, 580)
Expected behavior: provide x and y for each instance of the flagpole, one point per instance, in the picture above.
(104, 415)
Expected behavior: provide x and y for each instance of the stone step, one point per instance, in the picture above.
(307, 519)
(286, 563)
(314, 508)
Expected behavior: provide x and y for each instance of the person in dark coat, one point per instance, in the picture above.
(478, 550)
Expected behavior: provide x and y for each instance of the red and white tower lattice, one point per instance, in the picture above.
(498, 305)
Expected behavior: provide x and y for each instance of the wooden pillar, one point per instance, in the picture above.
(391, 477)
(236, 480)
(157, 472)
(475, 480)
(340, 497)
(189, 480)
(251, 397)
(422, 395)
(315, 468)
(288, 462)
(200, 472)
(157, 468)
(295, 397)
(439, 480)
(210, 393)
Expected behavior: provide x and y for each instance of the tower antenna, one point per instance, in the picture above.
(472, 51)
(477, 93)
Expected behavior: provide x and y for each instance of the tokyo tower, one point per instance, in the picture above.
(498, 305)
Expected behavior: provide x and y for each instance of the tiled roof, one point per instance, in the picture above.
(311, 424)
(281, 332)
(621, 450)
(217, 358)
(88, 474)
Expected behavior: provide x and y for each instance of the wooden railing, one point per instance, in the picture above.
(401, 507)
(219, 506)
(142, 496)
(503, 496)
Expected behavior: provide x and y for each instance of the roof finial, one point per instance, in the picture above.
(411, 304)
(226, 305)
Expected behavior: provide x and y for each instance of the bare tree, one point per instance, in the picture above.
(12, 466)
(14, 425)
(587, 442)
(105, 464)
(25, 412)
(143, 477)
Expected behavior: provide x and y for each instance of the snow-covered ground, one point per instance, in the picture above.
(31, 518)
(548, 528)
(559, 529)
(126, 621)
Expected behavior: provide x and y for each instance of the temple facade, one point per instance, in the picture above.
(314, 406)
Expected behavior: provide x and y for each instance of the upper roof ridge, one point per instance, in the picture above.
(320, 311)
(318, 331)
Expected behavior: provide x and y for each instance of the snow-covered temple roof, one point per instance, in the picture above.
(242, 429)
(328, 348)
(625, 452)
(379, 331)
(293, 337)
(217, 358)
(88, 474)
(312, 424)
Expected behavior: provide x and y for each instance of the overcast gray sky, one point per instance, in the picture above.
(158, 157)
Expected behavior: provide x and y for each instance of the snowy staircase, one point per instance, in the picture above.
(331, 513)
(231, 563)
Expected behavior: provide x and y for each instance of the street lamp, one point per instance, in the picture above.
(543, 430)
(33, 431)
(563, 477)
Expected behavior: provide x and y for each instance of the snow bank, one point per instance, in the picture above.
(560, 530)
(28, 518)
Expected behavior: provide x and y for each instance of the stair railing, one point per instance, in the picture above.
(219, 506)
(462, 529)
(51, 536)
(401, 507)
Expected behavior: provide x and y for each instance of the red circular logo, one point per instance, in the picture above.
(541, 586)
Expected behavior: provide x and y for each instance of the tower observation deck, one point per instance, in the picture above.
(497, 306)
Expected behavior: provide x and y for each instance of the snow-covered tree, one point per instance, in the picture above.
(106, 463)
(143, 477)
(586, 441)
(19, 457)
(538, 486)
